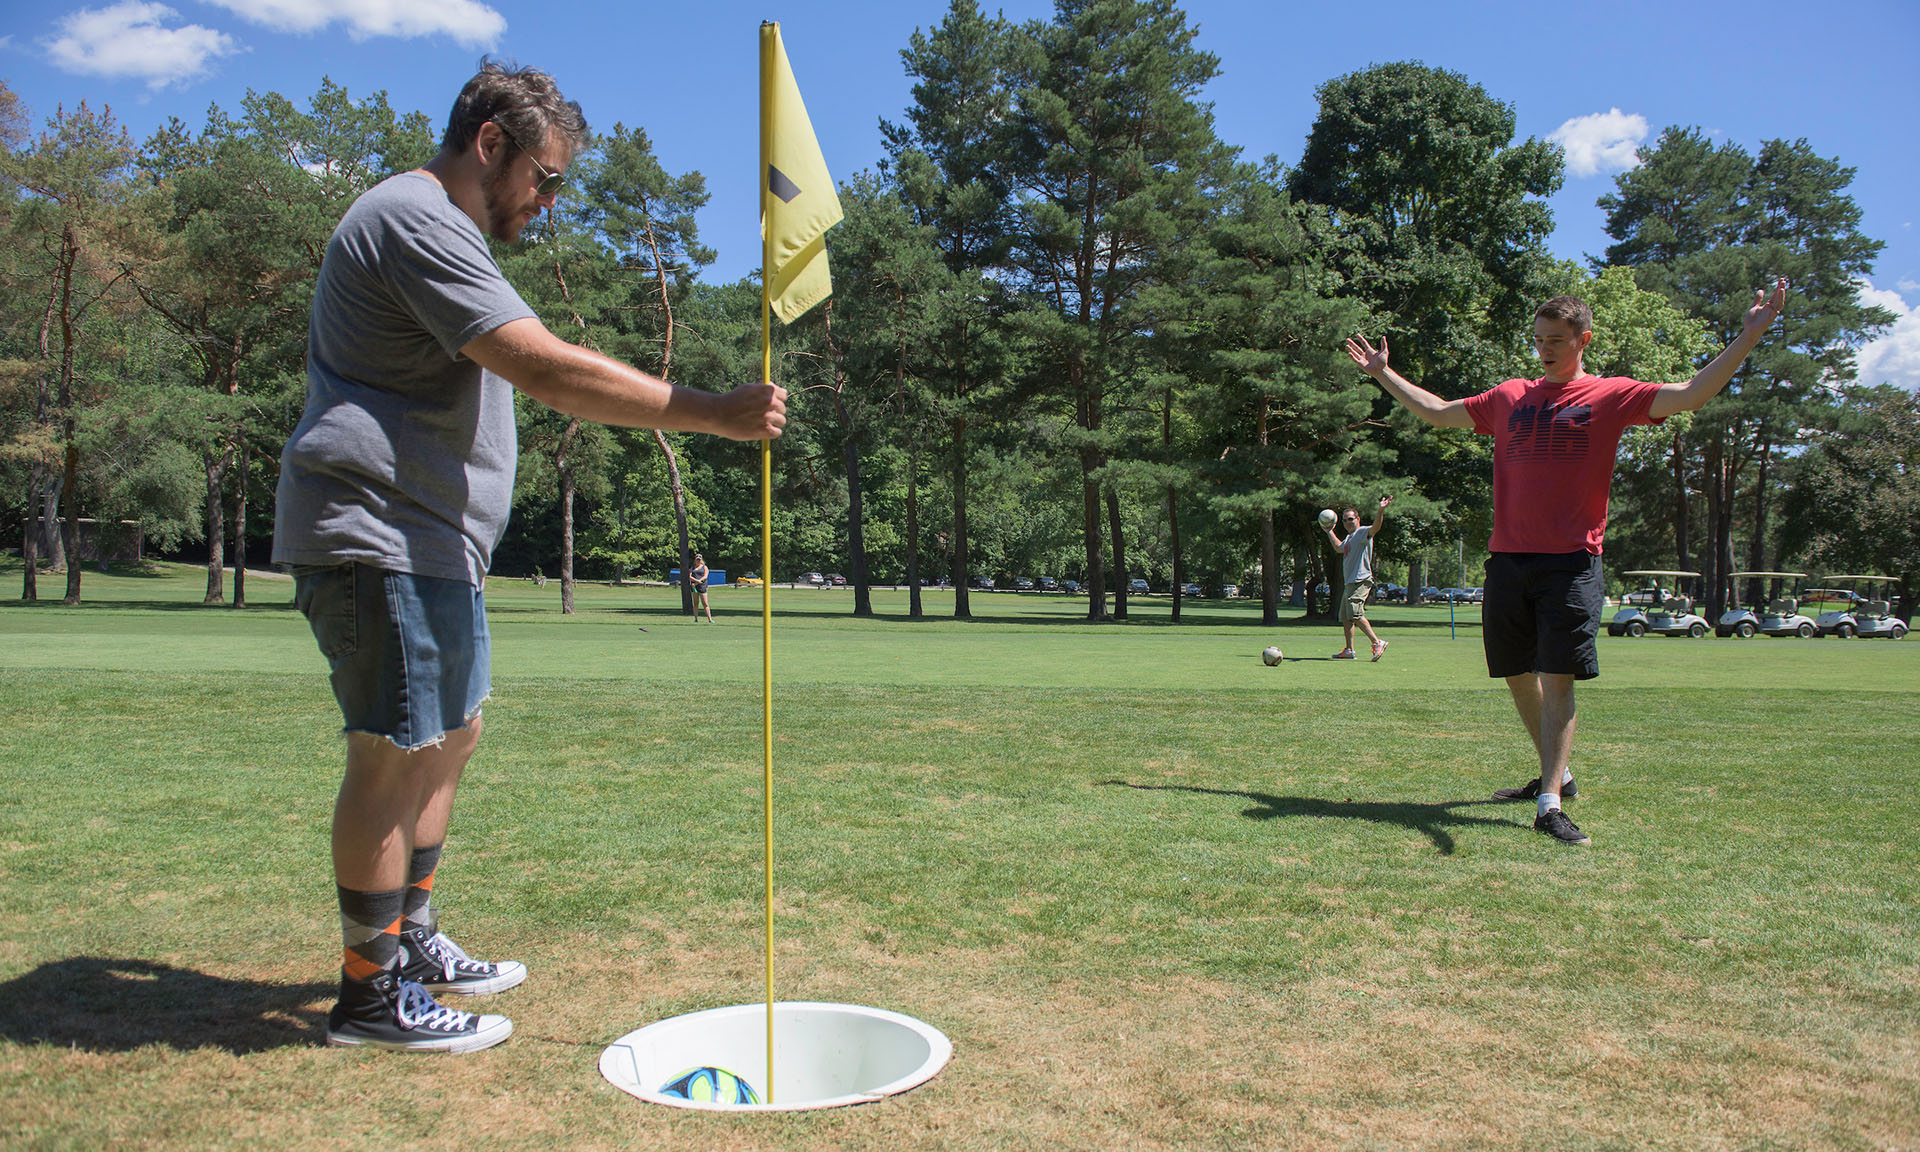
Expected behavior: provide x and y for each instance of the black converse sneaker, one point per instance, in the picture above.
(1561, 827)
(399, 1015)
(1531, 789)
(437, 964)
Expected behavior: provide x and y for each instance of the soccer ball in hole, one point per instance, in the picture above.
(1327, 518)
(710, 1086)
(1271, 656)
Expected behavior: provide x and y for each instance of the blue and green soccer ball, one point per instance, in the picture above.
(710, 1086)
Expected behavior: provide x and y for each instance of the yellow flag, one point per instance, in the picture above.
(797, 201)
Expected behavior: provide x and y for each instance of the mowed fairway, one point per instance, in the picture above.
(1158, 894)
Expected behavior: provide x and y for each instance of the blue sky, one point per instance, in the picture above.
(1600, 78)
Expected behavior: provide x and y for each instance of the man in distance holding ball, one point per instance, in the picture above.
(1356, 569)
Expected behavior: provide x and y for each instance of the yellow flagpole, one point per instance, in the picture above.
(766, 549)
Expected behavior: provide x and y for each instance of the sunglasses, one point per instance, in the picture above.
(550, 182)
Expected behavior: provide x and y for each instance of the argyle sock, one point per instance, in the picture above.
(369, 932)
(420, 871)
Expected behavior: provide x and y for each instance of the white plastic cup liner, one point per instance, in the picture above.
(824, 1055)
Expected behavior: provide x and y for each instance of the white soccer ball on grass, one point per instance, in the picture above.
(1271, 655)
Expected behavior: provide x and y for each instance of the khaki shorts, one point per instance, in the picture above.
(1353, 605)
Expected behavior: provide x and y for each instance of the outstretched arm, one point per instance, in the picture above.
(1707, 383)
(1417, 400)
(583, 383)
(1379, 518)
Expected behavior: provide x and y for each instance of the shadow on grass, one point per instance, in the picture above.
(1430, 820)
(98, 1004)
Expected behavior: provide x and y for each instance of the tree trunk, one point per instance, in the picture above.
(71, 487)
(962, 609)
(913, 529)
(680, 519)
(1757, 551)
(856, 503)
(1120, 576)
(568, 482)
(1269, 573)
(1179, 561)
(69, 426)
(216, 468)
(566, 542)
(240, 529)
(30, 538)
(1682, 538)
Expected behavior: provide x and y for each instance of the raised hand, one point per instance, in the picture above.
(1766, 309)
(1372, 361)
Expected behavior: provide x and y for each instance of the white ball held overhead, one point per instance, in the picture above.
(1327, 518)
(1271, 655)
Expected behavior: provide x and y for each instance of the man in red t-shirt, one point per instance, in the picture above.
(1554, 442)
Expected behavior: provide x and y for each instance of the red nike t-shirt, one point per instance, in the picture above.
(1553, 454)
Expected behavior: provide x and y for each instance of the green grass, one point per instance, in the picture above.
(1159, 894)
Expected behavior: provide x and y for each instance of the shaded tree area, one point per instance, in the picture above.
(1074, 333)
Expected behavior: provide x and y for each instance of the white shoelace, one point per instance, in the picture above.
(450, 956)
(418, 1009)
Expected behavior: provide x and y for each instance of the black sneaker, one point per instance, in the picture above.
(1531, 789)
(399, 1015)
(1561, 827)
(437, 964)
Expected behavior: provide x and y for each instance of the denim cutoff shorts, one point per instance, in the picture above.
(411, 656)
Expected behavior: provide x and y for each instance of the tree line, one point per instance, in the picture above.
(1074, 332)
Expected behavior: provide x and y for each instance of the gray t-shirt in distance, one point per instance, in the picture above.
(404, 456)
(1358, 561)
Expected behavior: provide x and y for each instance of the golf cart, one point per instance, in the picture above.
(1780, 616)
(1861, 614)
(1654, 608)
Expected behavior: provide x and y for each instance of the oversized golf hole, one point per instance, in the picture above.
(824, 1056)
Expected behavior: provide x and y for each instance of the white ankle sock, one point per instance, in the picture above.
(1545, 803)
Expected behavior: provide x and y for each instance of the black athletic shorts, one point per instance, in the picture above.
(1541, 613)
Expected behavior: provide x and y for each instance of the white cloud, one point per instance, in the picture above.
(467, 22)
(1894, 358)
(131, 40)
(1603, 142)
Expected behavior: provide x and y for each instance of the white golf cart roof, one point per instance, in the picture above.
(1867, 576)
(1659, 572)
(1740, 575)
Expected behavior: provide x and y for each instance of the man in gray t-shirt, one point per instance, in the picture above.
(1356, 563)
(395, 488)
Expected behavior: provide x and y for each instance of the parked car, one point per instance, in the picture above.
(1476, 595)
(1229, 590)
(983, 583)
(1023, 583)
(1137, 586)
(1070, 587)
(836, 580)
(748, 581)
(1389, 593)
(1192, 590)
(813, 578)
(1429, 593)
(1049, 584)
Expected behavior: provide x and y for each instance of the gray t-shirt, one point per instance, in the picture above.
(1358, 561)
(405, 454)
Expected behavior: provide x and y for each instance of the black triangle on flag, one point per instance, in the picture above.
(779, 185)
